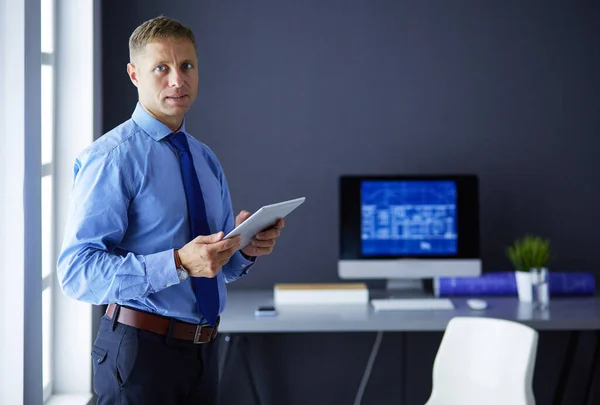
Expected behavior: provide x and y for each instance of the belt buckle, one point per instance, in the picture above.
(197, 334)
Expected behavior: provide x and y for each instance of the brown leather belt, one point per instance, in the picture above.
(160, 325)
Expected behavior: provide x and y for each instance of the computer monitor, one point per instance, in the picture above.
(408, 228)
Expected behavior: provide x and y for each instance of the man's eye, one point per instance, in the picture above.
(161, 68)
(187, 66)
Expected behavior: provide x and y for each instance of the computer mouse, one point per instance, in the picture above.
(477, 304)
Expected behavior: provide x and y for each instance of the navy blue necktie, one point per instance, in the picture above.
(206, 289)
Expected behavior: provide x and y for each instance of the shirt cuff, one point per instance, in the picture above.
(161, 271)
(239, 261)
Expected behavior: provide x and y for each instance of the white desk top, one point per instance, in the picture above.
(564, 314)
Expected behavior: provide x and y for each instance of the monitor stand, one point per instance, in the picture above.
(406, 288)
(408, 294)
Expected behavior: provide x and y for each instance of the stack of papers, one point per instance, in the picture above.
(321, 293)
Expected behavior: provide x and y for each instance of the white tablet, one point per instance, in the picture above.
(264, 218)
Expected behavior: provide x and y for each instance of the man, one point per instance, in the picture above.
(149, 208)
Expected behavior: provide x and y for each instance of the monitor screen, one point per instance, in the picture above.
(408, 218)
(409, 226)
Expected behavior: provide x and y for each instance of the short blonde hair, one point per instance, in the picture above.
(156, 29)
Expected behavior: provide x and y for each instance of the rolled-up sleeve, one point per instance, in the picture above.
(90, 266)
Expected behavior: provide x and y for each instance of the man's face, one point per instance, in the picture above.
(166, 76)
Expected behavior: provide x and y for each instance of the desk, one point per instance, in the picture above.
(564, 314)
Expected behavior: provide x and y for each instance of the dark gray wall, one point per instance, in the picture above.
(295, 93)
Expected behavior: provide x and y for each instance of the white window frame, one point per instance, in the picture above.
(20, 196)
(12, 213)
(48, 281)
(20, 167)
(76, 72)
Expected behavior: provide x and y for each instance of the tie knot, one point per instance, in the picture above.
(179, 141)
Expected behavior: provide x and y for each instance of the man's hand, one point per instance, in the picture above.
(263, 242)
(205, 255)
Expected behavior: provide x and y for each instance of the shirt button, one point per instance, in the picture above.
(244, 265)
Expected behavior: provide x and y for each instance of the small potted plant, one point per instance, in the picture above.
(528, 256)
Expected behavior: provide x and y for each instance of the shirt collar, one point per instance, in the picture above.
(153, 127)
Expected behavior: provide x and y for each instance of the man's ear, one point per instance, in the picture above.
(132, 74)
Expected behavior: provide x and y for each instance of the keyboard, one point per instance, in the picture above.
(409, 304)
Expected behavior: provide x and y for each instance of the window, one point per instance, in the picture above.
(47, 194)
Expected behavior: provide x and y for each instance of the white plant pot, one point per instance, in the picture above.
(523, 280)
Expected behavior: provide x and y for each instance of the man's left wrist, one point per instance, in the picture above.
(247, 257)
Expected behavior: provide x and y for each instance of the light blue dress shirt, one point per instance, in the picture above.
(128, 212)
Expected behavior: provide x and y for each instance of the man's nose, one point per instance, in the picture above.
(175, 79)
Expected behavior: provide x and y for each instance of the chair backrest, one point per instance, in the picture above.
(484, 361)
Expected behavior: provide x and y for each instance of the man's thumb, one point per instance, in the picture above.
(242, 216)
(215, 237)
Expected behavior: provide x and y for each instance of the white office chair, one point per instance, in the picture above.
(484, 361)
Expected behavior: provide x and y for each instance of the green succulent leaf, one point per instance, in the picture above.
(529, 252)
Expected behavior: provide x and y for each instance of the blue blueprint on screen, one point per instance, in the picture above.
(408, 218)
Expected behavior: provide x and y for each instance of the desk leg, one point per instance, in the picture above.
(226, 342)
(248, 367)
(240, 346)
(561, 385)
(593, 366)
(403, 366)
(368, 368)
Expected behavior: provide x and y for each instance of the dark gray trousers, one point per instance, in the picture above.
(132, 366)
